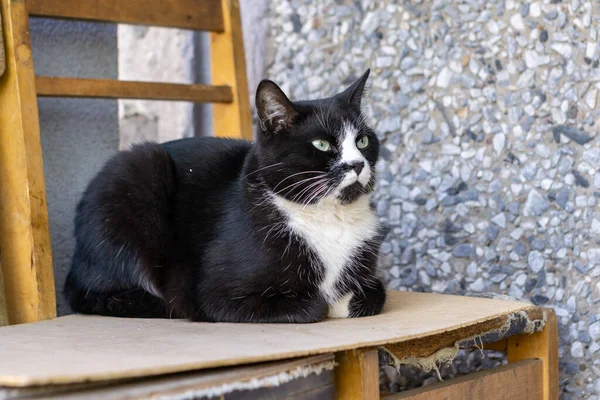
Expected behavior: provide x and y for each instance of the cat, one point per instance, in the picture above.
(221, 230)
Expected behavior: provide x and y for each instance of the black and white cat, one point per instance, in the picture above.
(223, 230)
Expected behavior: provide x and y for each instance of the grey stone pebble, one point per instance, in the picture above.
(463, 250)
(407, 256)
(477, 286)
(580, 267)
(514, 208)
(539, 299)
(562, 197)
(577, 135)
(580, 180)
(536, 204)
(539, 244)
(536, 261)
(492, 232)
(577, 349)
(520, 249)
(594, 330)
(500, 220)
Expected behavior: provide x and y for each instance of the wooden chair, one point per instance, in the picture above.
(113, 357)
(24, 233)
(106, 358)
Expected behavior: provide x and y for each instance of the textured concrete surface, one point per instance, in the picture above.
(156, 55)
(489, 182)
(78, 136)
(256, 30)
(173, 55)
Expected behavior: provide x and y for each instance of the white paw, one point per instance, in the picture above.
(341, 308)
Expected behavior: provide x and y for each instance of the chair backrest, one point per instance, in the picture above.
(24, 233)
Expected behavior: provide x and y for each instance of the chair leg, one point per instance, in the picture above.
(357, 374)
(24, 236)
(541, 345)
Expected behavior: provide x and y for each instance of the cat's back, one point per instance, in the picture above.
(207, 172)
(213, 156)
(144, 204)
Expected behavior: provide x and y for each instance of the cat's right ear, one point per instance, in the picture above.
(275, 111)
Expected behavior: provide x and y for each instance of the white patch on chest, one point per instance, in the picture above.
(334, 232)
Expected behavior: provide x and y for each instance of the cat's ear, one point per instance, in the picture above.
(354, 93)
(275, 111)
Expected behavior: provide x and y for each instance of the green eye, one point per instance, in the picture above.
(363, 142)
(322, 145)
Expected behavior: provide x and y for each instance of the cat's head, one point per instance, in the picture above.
(309, 150)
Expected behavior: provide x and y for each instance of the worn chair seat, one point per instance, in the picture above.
(416, 328)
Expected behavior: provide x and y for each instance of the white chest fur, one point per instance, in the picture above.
(334, 232)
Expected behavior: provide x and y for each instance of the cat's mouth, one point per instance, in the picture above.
(313, 186)
(349, 180)
(352, 178)
(352, 187)
(351, 193)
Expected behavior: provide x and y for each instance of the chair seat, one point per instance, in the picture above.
(80, 348)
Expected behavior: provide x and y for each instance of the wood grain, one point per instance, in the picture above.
(501, 345)
(186, 14)
(357, 375)
(543, 346)
(24, 235)
(113, 89)
(228, 67)
(517, 381)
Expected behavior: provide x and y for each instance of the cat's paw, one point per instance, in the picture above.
(368, 302)
(341, 308)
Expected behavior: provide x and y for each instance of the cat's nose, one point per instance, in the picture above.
(357, 166)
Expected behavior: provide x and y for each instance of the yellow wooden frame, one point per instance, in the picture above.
(24, 236)
(357, 374)
(24, 232)
(228, 67)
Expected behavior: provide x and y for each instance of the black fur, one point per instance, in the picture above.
(186, 229)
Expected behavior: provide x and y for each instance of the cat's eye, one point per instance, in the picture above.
(363, 142)
(321, 144)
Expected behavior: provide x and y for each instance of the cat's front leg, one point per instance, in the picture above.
(361, 301)
(368, 299)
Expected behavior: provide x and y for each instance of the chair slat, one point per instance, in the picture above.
(516, 381)
(112, 89)
(187, 14)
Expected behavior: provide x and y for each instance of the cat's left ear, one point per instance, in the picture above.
(275, 111)
(354, 93)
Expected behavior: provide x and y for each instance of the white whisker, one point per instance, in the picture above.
(296, 174)
(263, 168)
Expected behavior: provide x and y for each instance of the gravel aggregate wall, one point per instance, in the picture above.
(490, 169)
